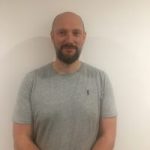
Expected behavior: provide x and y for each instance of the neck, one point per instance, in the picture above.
(63, 68)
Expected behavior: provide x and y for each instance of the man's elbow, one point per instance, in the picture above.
(109, 139)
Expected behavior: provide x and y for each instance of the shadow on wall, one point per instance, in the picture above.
(31, 53)
(28, 55)
(24, 57)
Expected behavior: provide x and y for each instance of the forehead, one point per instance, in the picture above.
(68, 22)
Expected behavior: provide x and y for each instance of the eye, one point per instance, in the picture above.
(76, 33)
(62, 32)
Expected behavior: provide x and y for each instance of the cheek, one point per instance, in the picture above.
(81, 42)
(58, 42)
(57, 39)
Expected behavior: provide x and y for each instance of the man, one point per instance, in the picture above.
(67, 104)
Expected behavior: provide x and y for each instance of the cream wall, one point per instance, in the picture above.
(118, 34)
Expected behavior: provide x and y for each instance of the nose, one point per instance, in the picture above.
(70, 38)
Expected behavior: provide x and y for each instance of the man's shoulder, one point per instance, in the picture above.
(95, 72)
(93, 69)
(42, 71)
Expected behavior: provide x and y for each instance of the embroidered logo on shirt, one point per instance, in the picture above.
(88, 92)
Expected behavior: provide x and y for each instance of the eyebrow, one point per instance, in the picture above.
(63, 29)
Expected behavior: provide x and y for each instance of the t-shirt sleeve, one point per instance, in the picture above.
(108, 107)
(23, 110)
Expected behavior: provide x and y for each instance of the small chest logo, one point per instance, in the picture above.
(88, 92)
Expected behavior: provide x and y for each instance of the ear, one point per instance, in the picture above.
(84, 36)
(52, 35)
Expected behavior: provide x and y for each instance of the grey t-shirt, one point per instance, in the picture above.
(65, 110)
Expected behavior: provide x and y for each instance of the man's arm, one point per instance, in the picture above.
(107, 134)
(22, 134)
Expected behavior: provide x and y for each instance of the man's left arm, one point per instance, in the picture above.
(107, 136)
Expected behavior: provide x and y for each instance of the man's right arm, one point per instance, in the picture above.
(22, 134)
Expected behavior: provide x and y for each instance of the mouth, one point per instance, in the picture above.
(69, 46)
(69, 49)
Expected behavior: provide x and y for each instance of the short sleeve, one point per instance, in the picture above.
(23, 110)
(108, 107)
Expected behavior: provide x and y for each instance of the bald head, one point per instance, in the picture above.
(68, 18)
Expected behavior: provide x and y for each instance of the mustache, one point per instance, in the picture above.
(68, 45)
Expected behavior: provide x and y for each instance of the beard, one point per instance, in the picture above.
(68, 59)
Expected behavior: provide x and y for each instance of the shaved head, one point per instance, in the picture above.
(65, 15)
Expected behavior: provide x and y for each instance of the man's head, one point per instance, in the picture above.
(68, 36)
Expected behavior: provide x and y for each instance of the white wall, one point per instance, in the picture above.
(117, 42)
